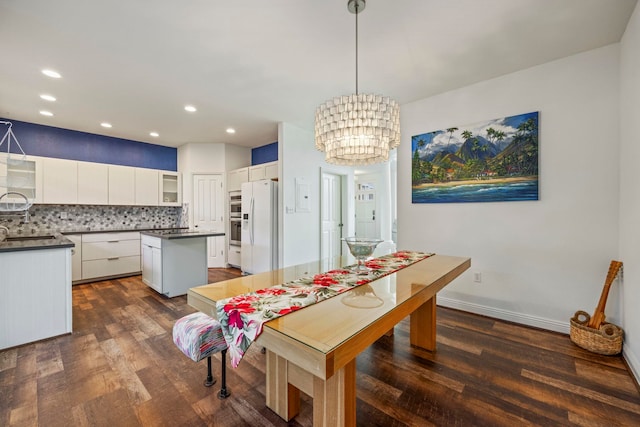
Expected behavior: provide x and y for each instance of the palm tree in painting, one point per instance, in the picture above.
(451, 131)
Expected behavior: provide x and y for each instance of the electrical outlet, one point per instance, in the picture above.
(477, 277)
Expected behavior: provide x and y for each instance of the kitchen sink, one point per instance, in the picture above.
(28, 238)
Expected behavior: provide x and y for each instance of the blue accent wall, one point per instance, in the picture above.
(48, 141)
(265, 154)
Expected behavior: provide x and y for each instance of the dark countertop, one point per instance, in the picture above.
(180, 233)
(89, 230)
(56, 239)
(29, 242)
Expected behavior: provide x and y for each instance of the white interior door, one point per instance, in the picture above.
(208, 214)
(366, 222)
(331, 215)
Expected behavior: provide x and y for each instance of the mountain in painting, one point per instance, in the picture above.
(477, 148)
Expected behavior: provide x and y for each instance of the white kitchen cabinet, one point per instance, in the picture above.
(93, 183)
(236, 177)
(76, 256)
(36, 295)
(263, 171)
(60, 181)
(21, 174)
(234, 256)
(152, 262)
(170, 188)
(110, 254)
(121, 185)
(146, 187)
(256, 173)
(173, 265)
(271, 170)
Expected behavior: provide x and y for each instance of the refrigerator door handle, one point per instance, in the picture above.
(251, 209)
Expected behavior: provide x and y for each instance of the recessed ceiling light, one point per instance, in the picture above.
(51, 73)
(48, 97)
(105, 125)
(154, 134)
(190, 108)
(46, 113)
(231, 130)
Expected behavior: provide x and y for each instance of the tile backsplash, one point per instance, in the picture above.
(65, 218)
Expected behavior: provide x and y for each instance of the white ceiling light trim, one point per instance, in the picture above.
(154, 134)
(46, 113)
(106, 125)
(47, 97)
(190, 108)
(231, 130)
(358, 129)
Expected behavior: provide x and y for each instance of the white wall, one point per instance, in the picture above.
(237, 157)
(299, 232)
(198, 158)
(540, 260)
(629, 188)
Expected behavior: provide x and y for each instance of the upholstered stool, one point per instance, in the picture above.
(198, 336)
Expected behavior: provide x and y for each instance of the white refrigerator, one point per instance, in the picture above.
(259, 237)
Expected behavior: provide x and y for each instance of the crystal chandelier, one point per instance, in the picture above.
(357, 129)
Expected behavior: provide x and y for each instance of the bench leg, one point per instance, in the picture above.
(224, 392)
(210, 380)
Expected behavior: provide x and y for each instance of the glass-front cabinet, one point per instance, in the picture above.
(170, 188)
(20, 174)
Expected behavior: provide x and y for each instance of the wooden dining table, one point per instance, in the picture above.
(314, 350)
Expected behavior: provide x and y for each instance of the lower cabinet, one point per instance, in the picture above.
(233, 256)
(76, 256)
(172, 266)
(110, 254)
(38, 303)
(152, 262)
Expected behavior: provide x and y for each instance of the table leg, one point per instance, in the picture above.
(423, 326)
(282, 397)
(334, 399)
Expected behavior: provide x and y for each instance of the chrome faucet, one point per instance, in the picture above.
(6, 230)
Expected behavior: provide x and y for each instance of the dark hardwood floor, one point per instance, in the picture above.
(121, 368)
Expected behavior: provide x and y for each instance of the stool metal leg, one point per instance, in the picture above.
(210, 380)
(224, 392)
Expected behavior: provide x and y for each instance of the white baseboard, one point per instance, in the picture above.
(510, 316)
(632, 361)
(535, 321)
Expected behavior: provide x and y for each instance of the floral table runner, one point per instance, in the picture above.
(243, 316)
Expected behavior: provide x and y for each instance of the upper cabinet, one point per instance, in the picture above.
(21, 174)
(121, 185)
(93, 183)
(235, 178)
(170, 188)
(263, 171)
(60, 181)
(147, 187)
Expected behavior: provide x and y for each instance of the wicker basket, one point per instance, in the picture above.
(606, 340)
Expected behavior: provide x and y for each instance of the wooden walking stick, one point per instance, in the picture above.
(598, 316)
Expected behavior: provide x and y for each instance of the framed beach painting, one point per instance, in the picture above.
(492, 161)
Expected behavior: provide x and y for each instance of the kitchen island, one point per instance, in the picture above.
(35, 281)
(175, 260)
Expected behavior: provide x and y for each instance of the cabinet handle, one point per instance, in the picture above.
(113, 241)
(73, 251)
(113, 259)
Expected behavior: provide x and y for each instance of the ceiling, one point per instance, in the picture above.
(251, 64)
